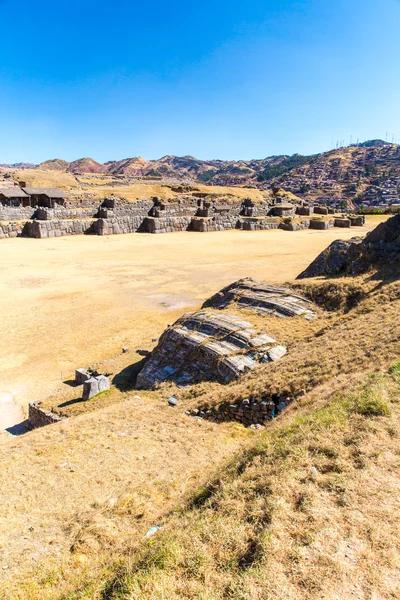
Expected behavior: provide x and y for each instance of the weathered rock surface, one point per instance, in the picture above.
(333, 260)
(264, 299)
(207, 346)
(357, 255)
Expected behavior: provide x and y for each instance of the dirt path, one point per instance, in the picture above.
(69, 302)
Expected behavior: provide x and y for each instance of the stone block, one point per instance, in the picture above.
(81, 375)
(94, 386)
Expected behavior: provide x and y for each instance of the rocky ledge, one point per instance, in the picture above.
(207, 346)
(381, 245)
(264, 299)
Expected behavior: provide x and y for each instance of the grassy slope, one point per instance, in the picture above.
(310, 511)
(267, 525)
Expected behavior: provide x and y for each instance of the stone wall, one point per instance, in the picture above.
(16, 213)
(339, 222)
(39, 418)
(127, 224)
(254, 224)
(165, 224)
(50, 229)
(246, 412)
(305, 211)
(320, 224)
(14, 229)
(62, 213)
(217, 223)
(295, 225)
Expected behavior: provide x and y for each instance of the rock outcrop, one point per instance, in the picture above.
(207, 346)
(263, 298)
(357, 255)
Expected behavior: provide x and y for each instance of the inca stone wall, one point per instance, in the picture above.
(39, 418)
(321, 224)
(258, 224)
(165, 224)
(113, 226)
(216, 223)
(50, 229)
(295, 225)
(11, 230)
(119, 215)
(62, 213)
(16, 213)
(246, 412)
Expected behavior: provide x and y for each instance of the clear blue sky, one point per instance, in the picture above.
(214, 79)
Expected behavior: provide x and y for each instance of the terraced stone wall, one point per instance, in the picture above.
(165, 224)
(320, 224)
(114, 226)
(217, 223)
(50, 229)
(61, 213)
(295, 225)
(16, 213)
(11, 230)
(257, 224)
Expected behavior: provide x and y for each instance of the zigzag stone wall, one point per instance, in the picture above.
(50, 229)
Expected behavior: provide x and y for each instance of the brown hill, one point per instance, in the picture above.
(85, 165)
(367, 172)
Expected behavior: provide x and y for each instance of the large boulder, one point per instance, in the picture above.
(381, 245)
(207, 346)
(387, 233)
(264, 299)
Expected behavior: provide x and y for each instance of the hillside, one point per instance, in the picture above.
(304, 508)
(366, 173)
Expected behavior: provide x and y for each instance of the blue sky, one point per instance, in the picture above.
(214, 79)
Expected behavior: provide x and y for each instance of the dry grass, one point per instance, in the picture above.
(71, 302)
(38, 178)
(309, 512)
(304, 510)
(138, 191)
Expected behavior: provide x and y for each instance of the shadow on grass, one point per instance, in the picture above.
(69, 402)
(19, 428)
(72, 383)
(125, 380)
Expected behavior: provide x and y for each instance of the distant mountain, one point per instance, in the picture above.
(20, 165)
(359, 172)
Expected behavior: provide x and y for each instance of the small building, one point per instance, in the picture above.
(47, 197)
(14, 196)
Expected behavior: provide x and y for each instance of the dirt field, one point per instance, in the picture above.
(70, 302)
